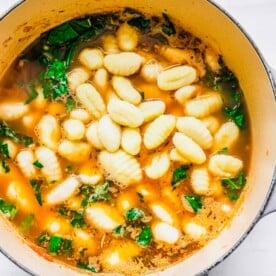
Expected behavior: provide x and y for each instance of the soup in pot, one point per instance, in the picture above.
(125, 143)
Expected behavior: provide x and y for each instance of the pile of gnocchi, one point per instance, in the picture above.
(144, 156)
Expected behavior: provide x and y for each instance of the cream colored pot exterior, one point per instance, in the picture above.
(23, 24)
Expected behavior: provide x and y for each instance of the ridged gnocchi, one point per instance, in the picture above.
(127, 37)
(203, 106)
(62, 191)
(158, 131)
(91, 99)
(120, 167)
(110, 44)
(200, 180)
(77, 77)
(125, 90)
(74, 129)
(183, 94)
(152, 109)
(10, 111)
(131, 140)
(51, 167)
(91, 58)
(123, 64)
(225, 165)
(103, 217)
(125, 113)
(176, 77)
(194, 230)
(74, 151)
(101, 79)
(188, 148)
(80, 114)
(92, 135)
(165, 232)
(150, 71)
(158, 165)
(163, 212)
(109, 134)
(25, 159)
(196, 130)
(176, 156)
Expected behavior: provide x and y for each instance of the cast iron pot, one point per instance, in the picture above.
(23, 24)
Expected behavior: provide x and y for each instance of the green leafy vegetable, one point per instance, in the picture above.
(4, 148)
(77, 220)
(8, 209)
(4, 156)
(94, 195)
(36, 184)
(145, 236)
(27, 223)
(223, 150)
(7, 132)
(194, 201)
(5, 166)
(37, 164)
(168, 27)
(179, 174)
(141, 197)
(43, 239)
(60, 246)
(119, 230)
(233, 186)
(54, 80)
(33, 95)
(70, 104)
(134, 214)
(235, 114)
(86, 266)
(140, 22)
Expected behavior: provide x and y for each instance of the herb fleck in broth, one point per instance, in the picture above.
(124, 143)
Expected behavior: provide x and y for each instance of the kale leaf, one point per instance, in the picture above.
(194, 201)
(179, 174)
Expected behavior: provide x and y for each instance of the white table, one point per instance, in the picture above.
(256, 255)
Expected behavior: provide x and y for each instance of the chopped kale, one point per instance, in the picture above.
(36, 184)
(141, 23)
(37, 164)
(8, 209)
(77, 220)
(27, 223)
(223, 150)
(233, 186)
(194, 201)
(134, 214)
(98, 193)
(145, 236)
(4, 149)
(70, 104)
(60, 246)
(119, 230)
(179, 174)
(33, 95)
(86, 266)
(167, 27)
(236, 114)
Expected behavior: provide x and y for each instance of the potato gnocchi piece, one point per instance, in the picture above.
(25, 159)
(188, 148)
(74, 151)
(119, 253)
(103, 216)
(123, 64)
(80, 114)
(110, 44)
(57, 225)
(131, 140)
(77, 77)
(212, 123)
(73, 129)
(120, 167)
(127, 37)
(200, 181)
(212, 60)
(176, 77)
(51, 166)
(90, 179)
(125, 90)
(164, 232)
(12, 148)
(176, 156)
(194, 230)
(196, 130)
(84, 239)
(163, 212)
(158, 131)
(152, 109)
(48, 131)
(10, 111)
(125, 113)
(185, 93)
(150, 71)
(91, 99)
(109, 133)
(92, 135)
(226, 136)
(158, 165)
(62, 191)
(203, 106)
(101, 79)
(225, 165)
(91, 58)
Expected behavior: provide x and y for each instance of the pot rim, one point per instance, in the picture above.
(261, 212)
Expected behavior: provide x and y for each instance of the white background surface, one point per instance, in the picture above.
(256, 256)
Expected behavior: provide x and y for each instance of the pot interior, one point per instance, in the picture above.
(202, 18)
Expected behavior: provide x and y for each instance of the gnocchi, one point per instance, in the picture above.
(131, 140)
(165, 232)
(74, 129)
(92, 135)
(152, 109)
(91, 58)
(185, 93)
(158, 166)
(200, 181)
(10, 111)
(127, 37)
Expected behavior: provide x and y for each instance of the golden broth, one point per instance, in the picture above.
(65, 230)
